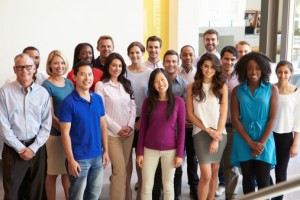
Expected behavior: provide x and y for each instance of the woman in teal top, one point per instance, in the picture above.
(58, 88)
(253, 110)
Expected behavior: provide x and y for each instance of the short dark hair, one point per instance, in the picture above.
(81, 64)
(153, 39)
(261, 60)
(171, 52)
(211, 31)
(185, 46)
(30, 48)
(229, 49)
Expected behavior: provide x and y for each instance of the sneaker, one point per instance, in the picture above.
(220, 190)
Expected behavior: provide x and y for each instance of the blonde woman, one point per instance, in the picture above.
(58, 88)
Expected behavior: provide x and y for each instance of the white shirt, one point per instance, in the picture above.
(208, 111)
(288, 115)
(119, 108)
(150, 65)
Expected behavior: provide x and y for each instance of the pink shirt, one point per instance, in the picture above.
(160, 132)
(119, 108)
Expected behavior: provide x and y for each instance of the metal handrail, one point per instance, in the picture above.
(274, 190)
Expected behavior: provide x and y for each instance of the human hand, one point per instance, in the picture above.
(177, 162)
(214, 146)
(73, 168)
(26, 154)
(216, 135)
(294, 150)
(140, 161)
(105, 159)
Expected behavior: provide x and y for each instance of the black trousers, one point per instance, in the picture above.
(23, 179)
(192, 162)
(283, 143)
(252, 169)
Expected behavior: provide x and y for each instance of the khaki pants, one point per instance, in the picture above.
(119, 150)
(151, 158)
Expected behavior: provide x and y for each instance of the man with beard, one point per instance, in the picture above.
(210, 41)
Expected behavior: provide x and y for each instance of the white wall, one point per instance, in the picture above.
(62, 24)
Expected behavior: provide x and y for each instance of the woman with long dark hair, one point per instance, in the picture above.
(161, 135)
(120, 108)
(207, 107)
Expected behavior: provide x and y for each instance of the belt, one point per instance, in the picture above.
(228, 125)
(27, 142)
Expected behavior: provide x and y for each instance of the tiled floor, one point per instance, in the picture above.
(293, 171)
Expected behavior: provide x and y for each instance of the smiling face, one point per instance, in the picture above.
(253, 72)
(58, 66)
(228, 60)
(208, 70)
(84, 78)
(171, 64)
(187, 57)
(283, 73)
(24, 69)
(210, 42)
(86, 54)
(105, 47)
(161, 84)
(153, 49)
(135, 55)
(243, 50)
(115, 68)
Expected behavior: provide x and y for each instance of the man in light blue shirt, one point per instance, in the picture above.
(25, 122)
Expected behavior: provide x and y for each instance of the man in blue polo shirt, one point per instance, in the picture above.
(84, 136)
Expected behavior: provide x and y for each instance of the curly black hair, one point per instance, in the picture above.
(261, 60)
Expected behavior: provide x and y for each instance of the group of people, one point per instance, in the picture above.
(219, 110)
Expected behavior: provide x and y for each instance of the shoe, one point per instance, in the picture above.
(220, 190)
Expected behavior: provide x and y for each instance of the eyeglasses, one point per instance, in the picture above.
(27, 67)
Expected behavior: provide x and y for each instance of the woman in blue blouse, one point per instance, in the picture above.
(253, 109)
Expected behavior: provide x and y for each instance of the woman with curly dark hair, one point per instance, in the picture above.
(253, 111)
(207, 107)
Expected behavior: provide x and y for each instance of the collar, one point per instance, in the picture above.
(32, 87)
(262, 84)
(77, 97)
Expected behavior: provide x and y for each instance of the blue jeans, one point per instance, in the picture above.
(88, 184)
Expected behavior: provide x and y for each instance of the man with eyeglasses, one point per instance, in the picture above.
(38, 77)
(25, 123)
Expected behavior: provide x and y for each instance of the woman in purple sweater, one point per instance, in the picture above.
(161, 134)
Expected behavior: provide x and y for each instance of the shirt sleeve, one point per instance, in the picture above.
(132, 113)
(181, 115)
(143, 129)
(65, 112)
(5, 127)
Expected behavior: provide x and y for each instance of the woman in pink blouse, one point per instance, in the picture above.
(120, 109)
(162, 134)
